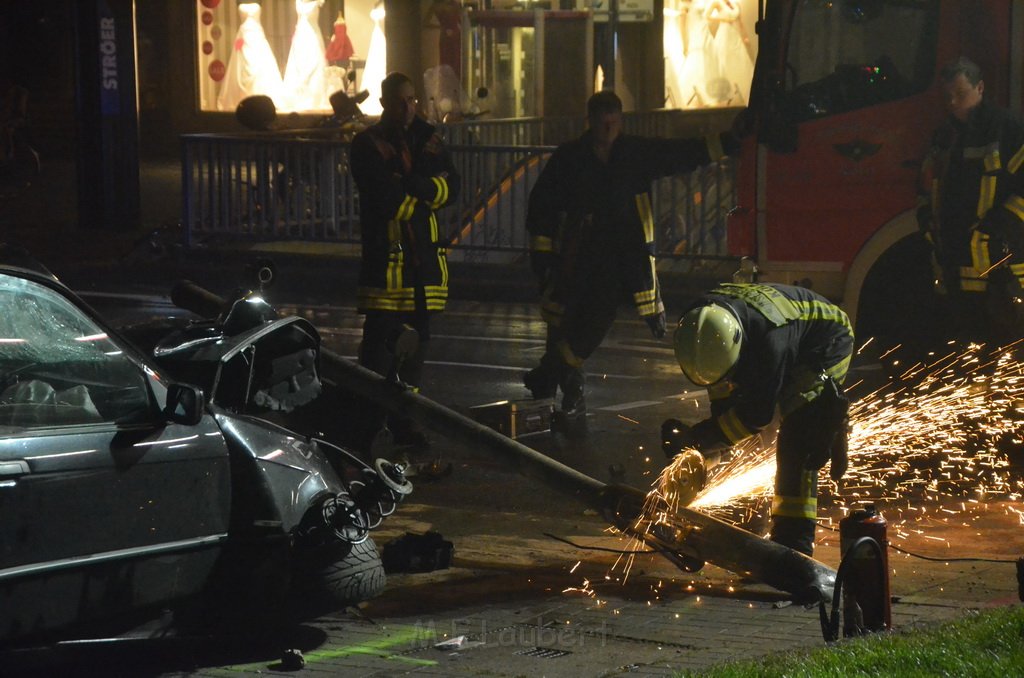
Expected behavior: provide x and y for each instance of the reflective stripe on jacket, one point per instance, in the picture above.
(402, 179)
(977, 197)
(597, 216)
(793, 339)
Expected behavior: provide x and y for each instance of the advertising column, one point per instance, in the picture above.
(107, 113)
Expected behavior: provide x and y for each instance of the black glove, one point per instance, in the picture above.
(657, 324)
(828, 437)
(543, 264)
(676, 437)
(839, 453)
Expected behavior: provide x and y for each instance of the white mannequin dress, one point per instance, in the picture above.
(252, 67)
(692, 79)
(376, 64)
(305, 82)
(674, 47)
(733, 59)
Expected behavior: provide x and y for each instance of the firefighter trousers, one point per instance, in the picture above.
(574, 335)
(381, 329)
(809, 437)
(557, 369)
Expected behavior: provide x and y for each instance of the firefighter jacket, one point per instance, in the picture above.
(403, 177)
(595, 219)
(793, 340)
(975, 185)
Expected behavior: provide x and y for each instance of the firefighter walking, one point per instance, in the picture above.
(761, 349)
(592, 240)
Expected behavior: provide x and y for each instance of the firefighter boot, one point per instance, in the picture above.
(574, 405)
(541, 382)
(796, 533)
(572, 418)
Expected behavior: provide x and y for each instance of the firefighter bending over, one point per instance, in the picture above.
(973, 179)
(592, 239)
(759, 348)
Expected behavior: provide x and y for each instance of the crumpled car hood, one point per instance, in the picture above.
(291, 474)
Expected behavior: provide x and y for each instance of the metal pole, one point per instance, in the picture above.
(684, 537)
(689, 536)
(613, 32)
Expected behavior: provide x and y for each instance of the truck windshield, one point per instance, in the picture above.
(848, 54)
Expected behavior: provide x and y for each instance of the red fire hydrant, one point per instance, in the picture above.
(866, 601)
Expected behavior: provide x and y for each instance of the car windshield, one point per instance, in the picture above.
(57, 366)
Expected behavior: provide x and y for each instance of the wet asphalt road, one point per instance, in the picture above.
(497, 518)
(478, 354)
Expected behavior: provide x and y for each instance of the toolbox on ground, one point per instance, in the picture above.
(515, 418)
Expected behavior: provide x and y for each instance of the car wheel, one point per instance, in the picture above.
(340, 574)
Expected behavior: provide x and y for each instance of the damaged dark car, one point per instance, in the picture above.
(152, 472)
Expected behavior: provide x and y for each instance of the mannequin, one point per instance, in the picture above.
(305, 85)
(340, 48)
(376, 63)
(252, 66)
(735, 67)
(674, 48)
(692, 90)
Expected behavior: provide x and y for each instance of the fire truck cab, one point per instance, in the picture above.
(846, 97)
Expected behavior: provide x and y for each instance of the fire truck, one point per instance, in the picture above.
(846, 97)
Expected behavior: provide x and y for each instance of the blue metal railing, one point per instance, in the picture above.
(298, 187)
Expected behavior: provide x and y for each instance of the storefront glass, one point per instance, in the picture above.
(710, 48)
(297, 52)
(502, 60)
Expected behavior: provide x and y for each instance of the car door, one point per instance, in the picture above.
(104, 505)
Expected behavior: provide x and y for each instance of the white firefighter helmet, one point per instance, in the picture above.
(707, 343)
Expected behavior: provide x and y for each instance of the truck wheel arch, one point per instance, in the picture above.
(898, 228)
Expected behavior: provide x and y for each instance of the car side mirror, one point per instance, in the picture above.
(185, 404)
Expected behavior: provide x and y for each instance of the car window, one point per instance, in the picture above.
(850, 54)
(58, 367)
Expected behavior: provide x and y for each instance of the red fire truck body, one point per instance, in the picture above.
(847, 95)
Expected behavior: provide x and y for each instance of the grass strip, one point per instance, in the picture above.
(986, 644)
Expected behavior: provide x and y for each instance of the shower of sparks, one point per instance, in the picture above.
(934, 432)
(937, 432)
(583, 588)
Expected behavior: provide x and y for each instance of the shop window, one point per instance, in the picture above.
(710, 47)
(298, 52)
(848, 54)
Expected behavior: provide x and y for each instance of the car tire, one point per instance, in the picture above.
(340, 574)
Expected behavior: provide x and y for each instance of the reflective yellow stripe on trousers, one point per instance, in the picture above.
(795, 507)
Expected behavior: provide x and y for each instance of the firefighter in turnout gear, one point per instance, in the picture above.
(973, 185)
(592, 239)
(403, 175)
(761, 349)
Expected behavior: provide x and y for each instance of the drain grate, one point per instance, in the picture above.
(543, 652)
